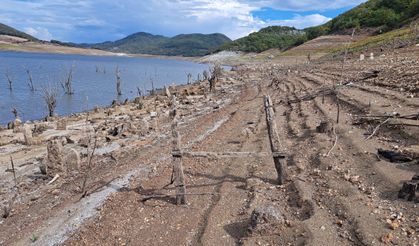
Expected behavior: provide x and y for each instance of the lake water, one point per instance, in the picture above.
(94, 80)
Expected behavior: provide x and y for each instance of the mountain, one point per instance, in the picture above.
(7, 30)
(382, 15)
(377, 15)
(146, 43)
(280, 37)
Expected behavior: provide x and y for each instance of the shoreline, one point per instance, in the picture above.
(34, 47)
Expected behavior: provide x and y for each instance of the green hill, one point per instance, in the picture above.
(7, 30)
(378, 15)
(384, 15)
(267, 38)
(145, 43)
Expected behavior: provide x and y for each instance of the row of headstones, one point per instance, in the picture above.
(59, 158)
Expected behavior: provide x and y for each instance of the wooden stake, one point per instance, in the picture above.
(338, 106)
(13, 170)
(178, 176)
(279, 158)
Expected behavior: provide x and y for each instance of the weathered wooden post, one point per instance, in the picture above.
(178, 176)
(338, 107)
(279, 158)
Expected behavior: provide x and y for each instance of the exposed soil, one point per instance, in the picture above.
(339, 192)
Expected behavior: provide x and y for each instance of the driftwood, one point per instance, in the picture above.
(393, 156)
(154, 196)
(309, 97)
(279, 158)
(13, 170)
(219, 155)
(334, 144)
(406, 120)
(378, 127)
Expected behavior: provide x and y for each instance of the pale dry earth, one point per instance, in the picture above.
(339, 191)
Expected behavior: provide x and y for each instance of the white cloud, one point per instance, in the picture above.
(101, 20)
(306, 5)
(300, 21)
(39, 32)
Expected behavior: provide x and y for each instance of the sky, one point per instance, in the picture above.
(91, 21)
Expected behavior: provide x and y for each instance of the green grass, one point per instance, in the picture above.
(404, 34)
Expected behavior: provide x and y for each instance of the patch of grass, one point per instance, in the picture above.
(400, 35)
(34, 237)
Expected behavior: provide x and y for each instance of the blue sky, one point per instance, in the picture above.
(102, 20)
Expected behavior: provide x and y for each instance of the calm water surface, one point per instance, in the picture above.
(94, 80)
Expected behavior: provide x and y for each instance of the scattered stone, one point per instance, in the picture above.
(153, 114)
(71, 160)
(54, 155)
(27, 134)
(62, 125)
(119, 130)
(393, 224)
(387, 238)
(43, 168)
(264, 219)
(324, 127)
(371, 56)
(69, 140)
(14, 124)
(362, 57)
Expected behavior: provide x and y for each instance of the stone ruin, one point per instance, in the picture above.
(60, 158)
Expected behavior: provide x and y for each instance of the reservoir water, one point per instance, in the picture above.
(93, 79)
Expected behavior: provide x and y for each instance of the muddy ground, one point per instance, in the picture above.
(339, 190)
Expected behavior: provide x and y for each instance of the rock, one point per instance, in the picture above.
(43, 168)
(362, 57)
(62, 125)
(265, 219)
(54, 154)
(167, 92)
(27, 134)
(387, 238)
(371, 56)
(143, 128)
(70, 140)
(119, 130)
(14, 124)
(153, 114)
(71, 160)
(39, 128)
(324, 127)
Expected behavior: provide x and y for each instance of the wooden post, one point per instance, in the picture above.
(178, 176)
(338, 107)
(279, 158)
(13, 170)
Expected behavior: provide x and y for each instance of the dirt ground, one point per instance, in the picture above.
(339, 190)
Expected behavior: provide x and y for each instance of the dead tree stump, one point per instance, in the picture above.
(409, 189)
(178, 176)
(278, 157)
(324, 127)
